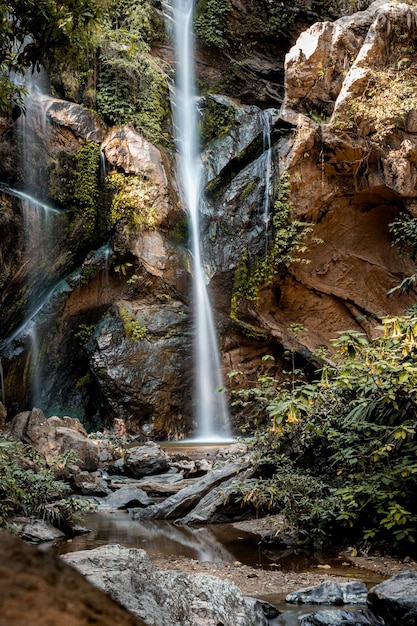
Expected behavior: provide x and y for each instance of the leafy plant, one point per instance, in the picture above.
(132, 85)
(286, 247)
(211, 23)
(28, 487)
(354, 432)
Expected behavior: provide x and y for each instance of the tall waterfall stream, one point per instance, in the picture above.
(211, 409)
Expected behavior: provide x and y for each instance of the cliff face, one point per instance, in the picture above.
(111, 299)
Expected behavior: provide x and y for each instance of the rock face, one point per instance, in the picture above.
(40, 585)
(338, 617)
(101, 327)
(54, 436)
(395, 600)
(164, 597)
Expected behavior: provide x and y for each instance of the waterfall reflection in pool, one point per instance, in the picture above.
(220, 543)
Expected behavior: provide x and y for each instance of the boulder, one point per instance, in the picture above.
(165, 597)
(395, 600)
(54, 436)
(179, 504)
(146, 460)
(329, 592)
(213, 509)
(90, 484)
(37, 531)
(37, 587)
(338, 617)
(127, 496)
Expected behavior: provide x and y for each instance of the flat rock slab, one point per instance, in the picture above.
(338, 617)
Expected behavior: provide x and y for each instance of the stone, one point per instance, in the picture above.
(165, 597)
(329, 592)
(84, 122)
(218, 505)
(37, 531)
(90, 484)
(38, 587)
(395, 600)
(338, 617)
(126, 497)
(54, 436)
(180, 504)
(146, 460)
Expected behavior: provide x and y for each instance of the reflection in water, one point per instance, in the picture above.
(219, 543)
(156, 537)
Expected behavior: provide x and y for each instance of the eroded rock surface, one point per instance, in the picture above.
(161, 596)
(395, 600)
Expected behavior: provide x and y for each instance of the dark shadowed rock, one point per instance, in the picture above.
(39, 589)
(329, 592)
(127, 496)
(395, 600)
(162, 597)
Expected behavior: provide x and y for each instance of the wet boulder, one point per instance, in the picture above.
(165, 597)
(395, 600)
(329, 592)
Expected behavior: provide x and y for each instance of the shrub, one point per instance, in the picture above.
(33, 492)
(353, 432)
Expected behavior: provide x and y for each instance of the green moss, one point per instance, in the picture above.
(285, 247)
(217, 119)
(131, 204)
(131, 326)
(248, 189)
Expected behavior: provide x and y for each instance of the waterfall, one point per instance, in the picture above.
(267, 168)
(211, 409)
(43, 224)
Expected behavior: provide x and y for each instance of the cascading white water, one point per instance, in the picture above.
(267, 167)
(42, 223)
(211, 408)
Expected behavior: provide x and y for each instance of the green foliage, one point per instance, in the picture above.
(131, 326)
(84, 333)
(286, 247)
(280, 20)
(354, 432)
(35, 32)
(83, 187)
(33, 492)
(132, 85)
(132, 202)
(211, 23)
(251, 186)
